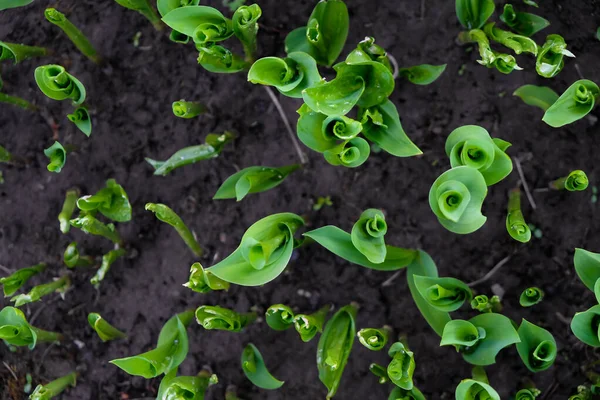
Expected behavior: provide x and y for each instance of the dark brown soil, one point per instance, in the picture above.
(130, 98)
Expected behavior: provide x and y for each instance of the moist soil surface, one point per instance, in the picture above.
(130, 98)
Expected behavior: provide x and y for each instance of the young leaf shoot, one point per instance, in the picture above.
(19, 52)
(256, 371)
(111, 201)
(531, 296)
(54, 388)
(253, 180)
(203, 281)
(16, 331)
(188, 109)
(585, 326)
(245, 28)
(104, 330)
(82, 120)
(67, 210)
(423, 74)
(550, 59)
(185, 387)
(107, 261)
(504, 63)
(144, 8)
(279, 317)
(576, 181)
(58, 157)
(60, 285)
(473, 14)
(476, 388)
(574, 104)
(538, 96)
(168, 216)
(13, 282)
(77, 37)
(308, 325)
(517, 43)
(219, 318)
(400, 370)
(444, 294)
(485, 304)
(166, 6)
(524, 23)
(56, 83)
(90, 225)
(537, 347)
(515, 222)
(374, 339)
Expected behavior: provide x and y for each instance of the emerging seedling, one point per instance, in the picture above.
(104, 330)
(253, 180)
(245, 28)
(107, 261)
(58, 157)
(423, 74)
(77, 37)
(13, 282)
(574, 104)
(279, 317)
(90, 225)
(374, 339)
(527, 394)
(576, 181)
(56, 83)
(515, 222)
(308, 325)
(531, 296)
(473, 14)
(215, 317)
(485, 304)
(72, 258)
(82, 120)
(165, 214)
(522, 22)
(538, 96)
(400, 370)
(60, 285)
(174, 387)
(67, 210)
(504, 63)
(166, 6)
(256, 371)
(54, 388)
(444, 294)
(19, 52)
(15, 330)
(537, 347)
(111, 201)
(203, 281)
(188, 109)
(517, 43)
(479, 386)
(550, 59)
(144, 8)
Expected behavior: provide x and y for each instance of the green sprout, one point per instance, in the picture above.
(104, 330)
(188, 109)
(423, 74)
(245, 28)
(583, 393)
(6, 4)
(204, 25)
(485, 304)
(531, 296)
(585, 325)
(365, 245)
(219, 318)
(335, 345)
(60, 285)
(456, 198)
(170, 351)
(111, 201)
(444, 294)
(54, 388)
(215, 58)
(253, 180)
(16, 331)
(190, 155)
(16, 101)
(577, 180)
(550, 59)
(5, 155)
(308, 325)
(264, 251)
(279, 317)
(587, 267)
(504, 63)
(256, 371)
(56, 83)
(401, 394)
(90, 225)
(522, 22)
(75, 35)
(400, 370)
(477, 388)
(373, 338)
(515, 222)
(82, 120)
(517, 43)
(481, 338)
(166, 6)
(321, 202)
(473, 14)
(72, 258)
(531, 3)
(107, 261)
(380, 372)
(202, 281)
(67, 210)
(537, 347)
(174, 387)
(19, 52)
(13, 282)
(144, 8)
(168, 216)
(58, 157)
(538, 96)
(527, 394)
(574, 104)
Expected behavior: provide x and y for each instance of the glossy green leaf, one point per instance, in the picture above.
(575, 103)
(279, 317)
(111, 201)
(336, 97)
(531, 296)
(90, 225)
(381, 125)
(504, 63)
(245, 27)
(59, 285)
(66, 213)
(72, 258)
(56, 83)
(334, 348)
(253, 180)
(19, 52)
(472, 14)
(577, 180)
(423, 74)
(587, 266)
(308, 325)
(187, 109)
(58, 157)
(401, 368)
(54, 388)
(517, 43)
(586, 326)
(203, 24)
(104, 330)
(527, 394)
(263, 253)
(321, 133)
(82, 120)
(74, 34)
(13, 282)
(444, 294)
(516, 226)
(190, 155)
(170, 217)
(537, 348)
(456, 198)
(219, 318)
(368, 235)
(256, 371)
(185, 387)
(373, 338)
(144, 8)
(108, 260)
(170, 351)
(521, 22)
(484, 304)
(550, 58)
(538, 96)
(202, 281)
(15, 330)
(166, 6)
(220, 60)
(351, 153)
(461, 333)
(290, 75)
(470, 389)
(6, 4)
(325, 34)
(401, 394)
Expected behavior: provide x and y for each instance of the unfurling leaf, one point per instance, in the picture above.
(82, 120)
(334, 348)
(484, 304)
(185, 387)
(587, 266)
(56, 83)
(166, 6)
(67, 210)
(537, 347)
(456, 198)
(245, 27)
(575, 103)
(90, 225)
(515, 222)
(350, 153)
(16, 331)
(19, 52)
(256, 371)
(111, 201)
(550, 58)
(538, 96)
(58, 157)
(444, 294)
(107, 261)
(215, 58)
(380, 372)
(521, 22)
(168, 216)
(75, 35)
(527, 394)
(472, 14)
(374, 339)
(517, 43)
(13, 282)
(531, 296)
(423, 74)
(203, 24)
(401, 394)
(322, 133)
(470, 389)
(576, 181)
(586, 326)
(60, 285)
(504, 63)
(203, 281)
(264, 251)
(253, 180)
(325, 34)
(54, 388)
(215, 317)
(401, 368)
(190, 155)
(104, 330)
(187, 109)
(279, 317)
(308, 325)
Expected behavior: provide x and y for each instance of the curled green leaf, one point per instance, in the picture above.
(470, 389)
(253, 180)
(203, 24)
(72, 258)
(531, 296)
(550, 59)
(472, 14)
(577, 180)
(218, 59)
(515, 222)
(58, 157)
(75, 35)
(279, 317)
(54, 388)
(351, 153)
(203, 281)
(264, 251)
(504, 63)
(245, 27)
(380, 372)
(67, 210)
(575, 103)
(187, 109)
(401, 368)
(144, 8)
(107, 261)
(368, 235)
(170, 217)
(166, 6)
(190, 155)
(334, 348)
(256, 371)
(19, 52)
(456, 198)
(13, 282)
(537, 347)
(527, 394)
(444, 294)
(15, 330)
(423, 74)
(517, 43)
(538, 96)
(104, 330)
(374, 339)
(521, 22)
(586, 326)
(90, 225)
(82, 120)
(215, 317)
(322, 133)
(401, 394)
(587, 267)
(56, 83)
(111, 201)
(60, 285)
(484, 304)
(308, 325)
(185, 387)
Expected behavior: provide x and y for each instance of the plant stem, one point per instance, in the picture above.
(17, 101)
(47, 336)
(20, 52)
(464, 37)
(558, 184)
(58, 386)
(514, 200)
(67, 209)
(77, 37)
(152, 16)
(107, 260)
